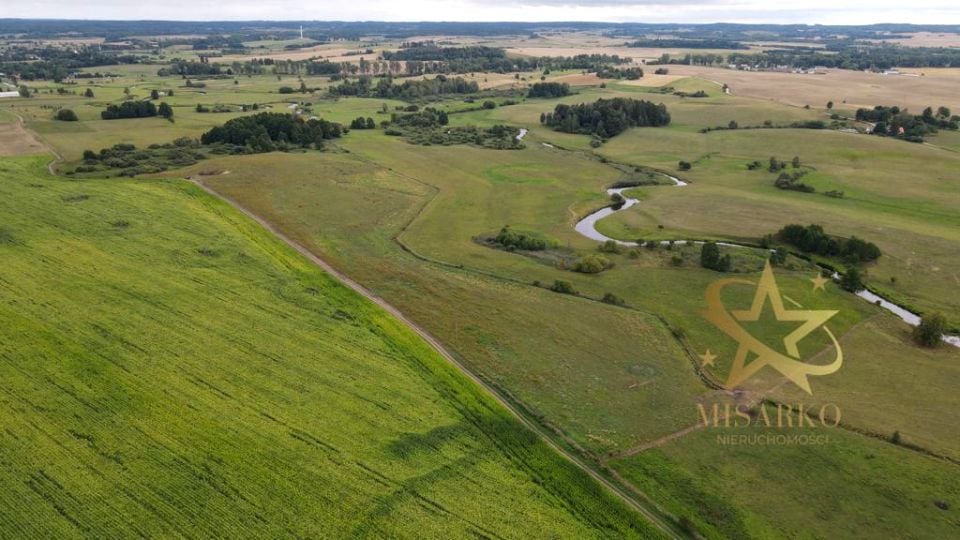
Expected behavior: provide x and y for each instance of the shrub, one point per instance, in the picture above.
(928, 333)
(610, 298)
(711, 259)
(853, 280)
(67, 115)
(684, 166)
(562, 287)
(591, 264)
(610, 246)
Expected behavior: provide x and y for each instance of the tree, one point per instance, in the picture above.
(733, 124)
(489, 104)
(853, 280)
(928, 333)
(829, 105)
(67, 115)
(684, 165)
(165, 110)
(88, 93)
(943, 112)
(796, 162)
(710, 258)
(24, 90)
(370, 123)
(154, 94)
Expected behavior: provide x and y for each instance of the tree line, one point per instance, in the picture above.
(385, 87)
(813, 239)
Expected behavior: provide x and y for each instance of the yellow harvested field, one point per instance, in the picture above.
(652, 79)
(928, 39)
(847, 89)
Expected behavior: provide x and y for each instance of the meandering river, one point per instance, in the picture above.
(588, 228)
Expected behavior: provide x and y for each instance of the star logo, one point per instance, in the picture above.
(819, 282)
(789, 364)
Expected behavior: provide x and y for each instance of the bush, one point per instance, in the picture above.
(610, 246)
(562, 287)
(591, 264)
(67, 115)
(928, 333)
(610, 298)
(684, 166)
(489, 105)
(710, 258)
(286, 90)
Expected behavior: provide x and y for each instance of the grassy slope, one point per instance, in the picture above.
(171, 369)
(586, 366)
(853, 487)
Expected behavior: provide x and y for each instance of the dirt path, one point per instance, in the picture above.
(18, 140)
(647, 508)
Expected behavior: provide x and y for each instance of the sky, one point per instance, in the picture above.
(690, 11)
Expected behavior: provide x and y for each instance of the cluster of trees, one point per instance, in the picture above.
(192, 68)
(606, 117)
(363, 123)
(711, 259)
(427, 118)
(897, 122)
(813, 239)
(630, 74)
(131, 161)
(591, 264)
(698, 59)
(512, 240)
(549, 90)
(130, 109)
(497, 137)
(386, 88)
(687, 44)
(29, 62)
(791, 181)
(266, 132)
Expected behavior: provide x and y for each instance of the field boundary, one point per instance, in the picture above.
(647, 508)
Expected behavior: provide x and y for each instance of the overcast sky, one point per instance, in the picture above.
(772, 11)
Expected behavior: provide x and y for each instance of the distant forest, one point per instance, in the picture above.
(39, 28)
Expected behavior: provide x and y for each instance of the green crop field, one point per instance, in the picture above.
(170, 369)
